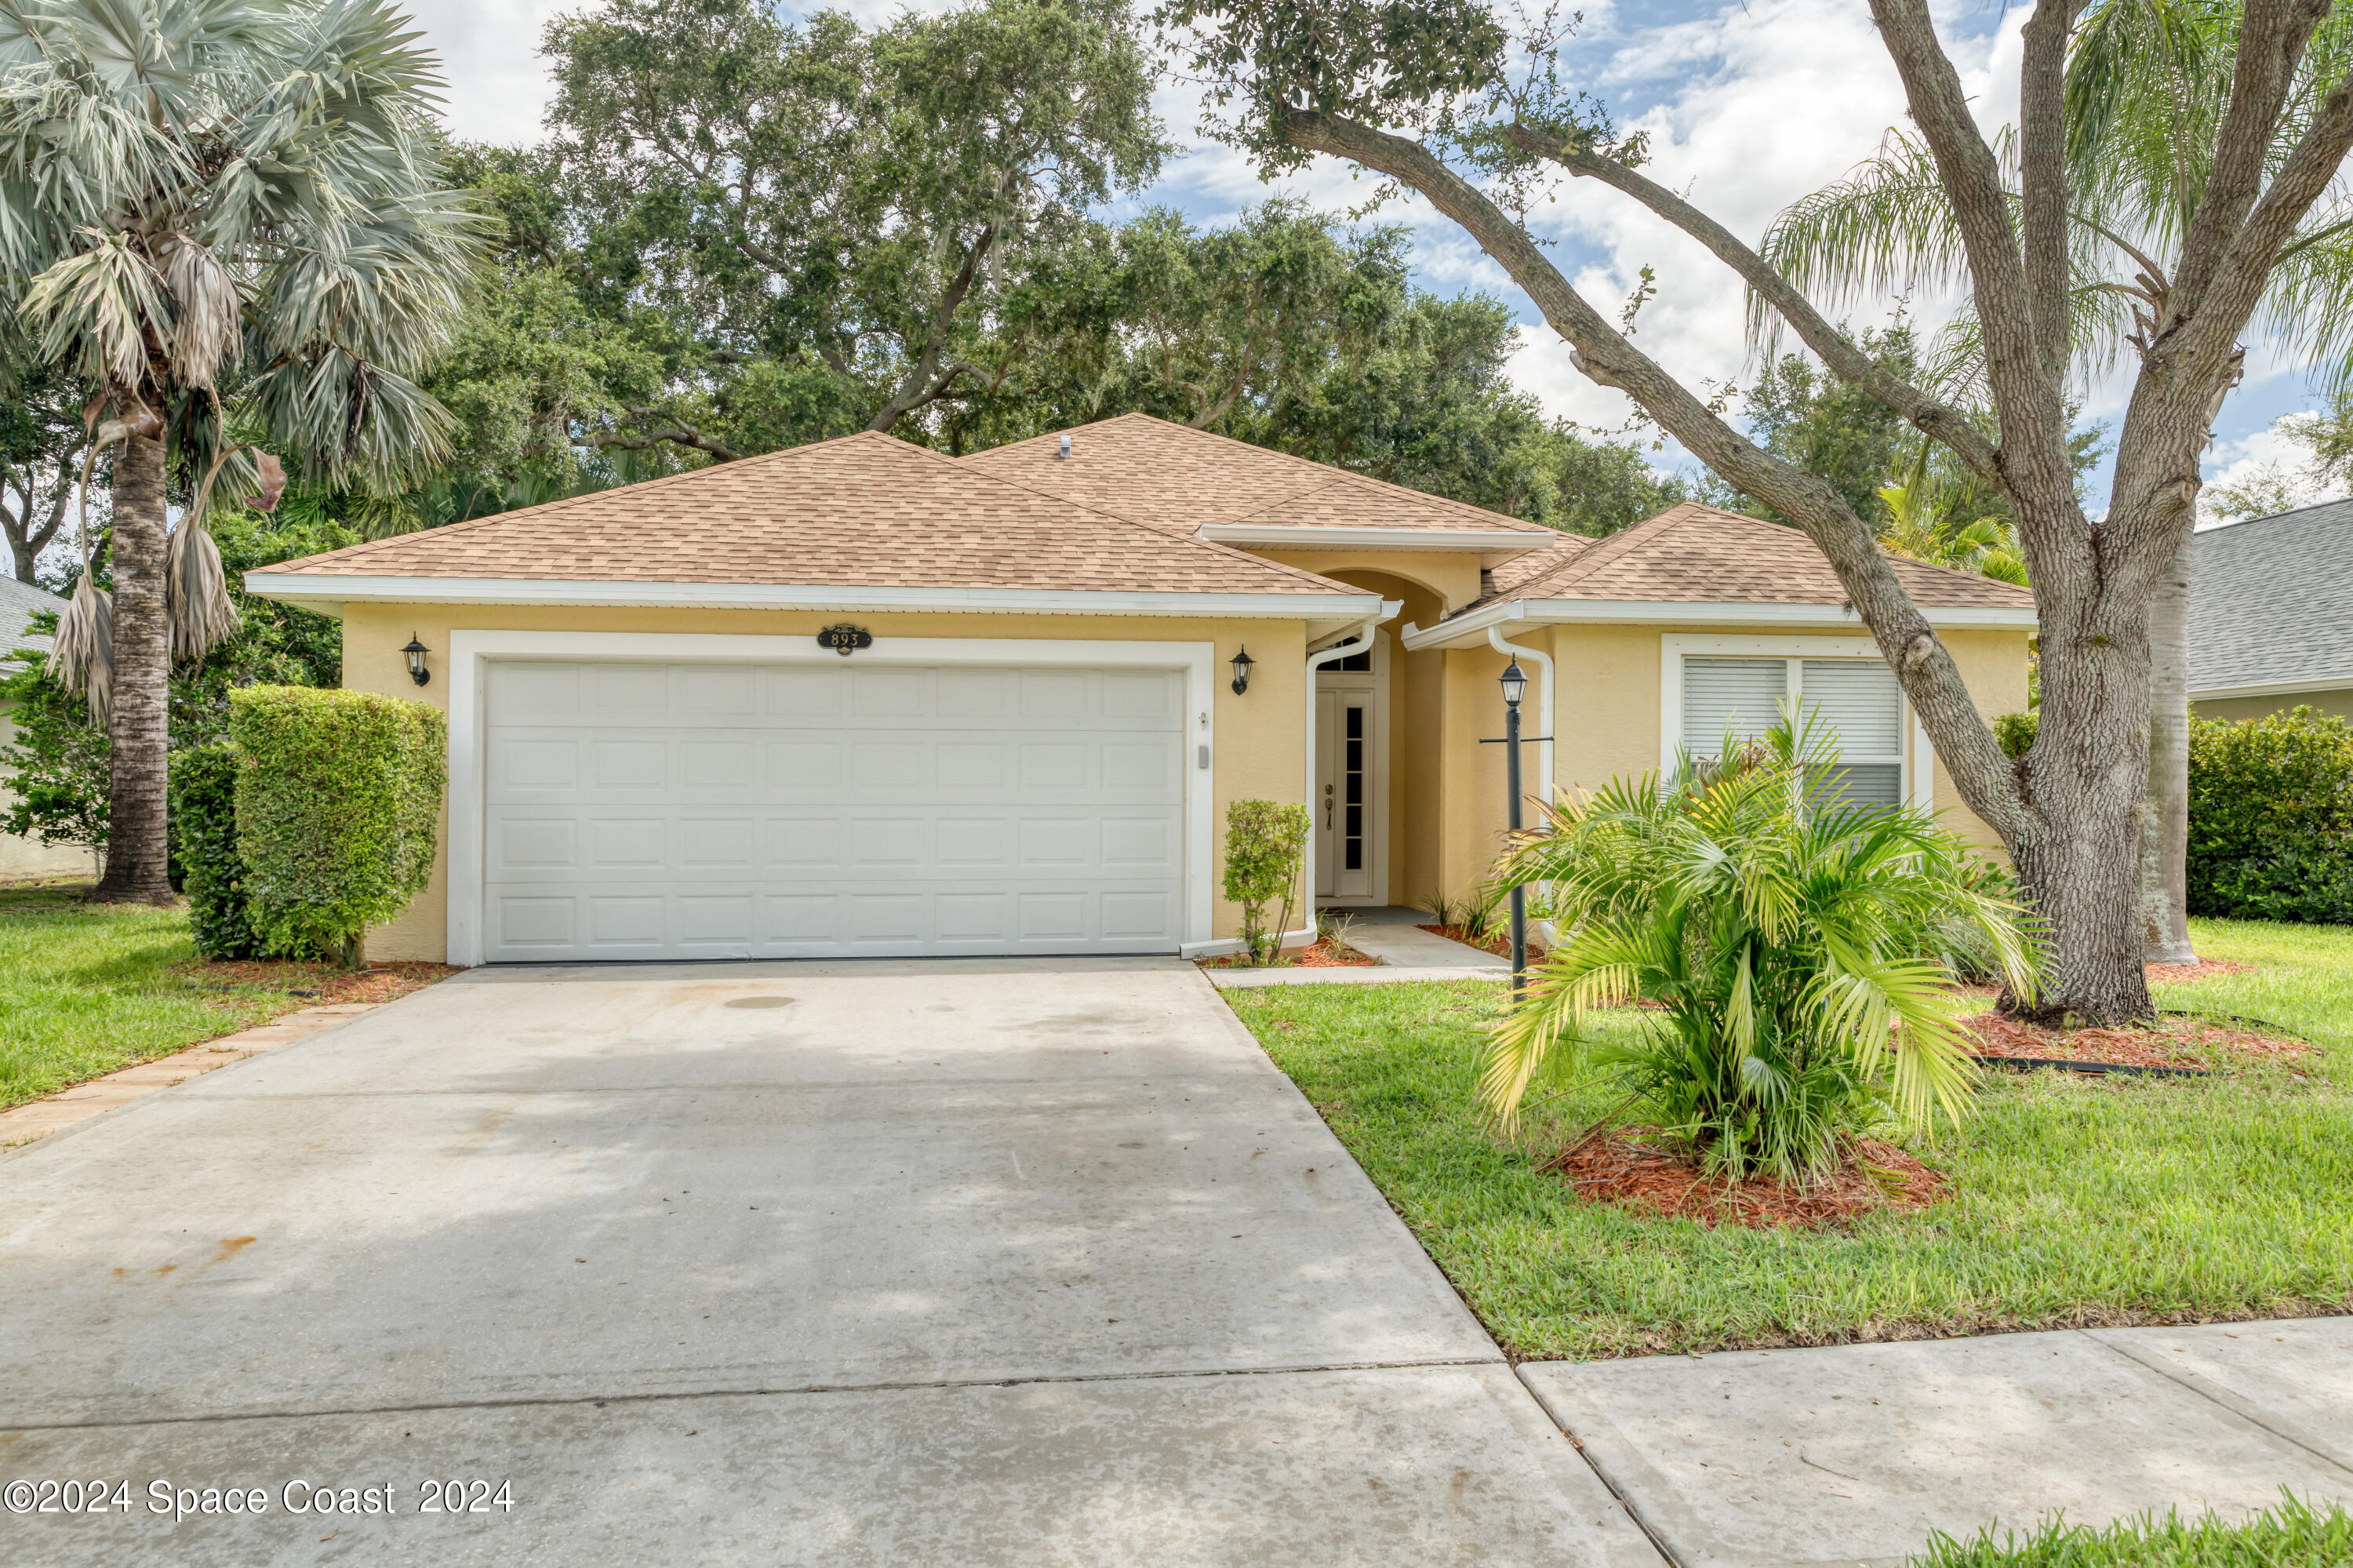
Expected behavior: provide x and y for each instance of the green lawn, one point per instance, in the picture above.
(2075, 1200)
(2291, 1535)
(88, 988)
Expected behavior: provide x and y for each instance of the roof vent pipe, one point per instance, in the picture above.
(1066, 448)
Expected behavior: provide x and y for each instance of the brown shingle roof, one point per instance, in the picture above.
(863, 510)
(1180, 479)
(1698, 554)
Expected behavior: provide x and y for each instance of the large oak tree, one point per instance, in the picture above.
(1426, 93)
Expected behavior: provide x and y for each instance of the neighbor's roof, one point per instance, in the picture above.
(1698, 554)
(2271, 601)
(1183, 480)
(17, 603)
(863, 510)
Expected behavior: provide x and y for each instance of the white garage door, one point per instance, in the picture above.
(644, 810)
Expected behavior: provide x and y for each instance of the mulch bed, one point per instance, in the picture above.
(1498, 942)
(2201, 1044)
(1322, 956)
(2205, 968)
(320, 984)
(1615, 1166)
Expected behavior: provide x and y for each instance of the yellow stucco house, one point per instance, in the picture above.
(858, 698)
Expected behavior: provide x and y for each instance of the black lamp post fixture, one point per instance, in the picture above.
(417, 651)
(1242, 662)
(1514, 682)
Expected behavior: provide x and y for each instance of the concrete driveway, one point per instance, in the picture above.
(954, 1262)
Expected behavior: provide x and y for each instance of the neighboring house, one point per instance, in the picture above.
(860, 698)
(2270, 614)
(21, 858)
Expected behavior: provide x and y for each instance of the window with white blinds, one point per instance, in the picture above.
(1858, 699)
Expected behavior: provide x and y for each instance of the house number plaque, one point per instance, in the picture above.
(845, 639)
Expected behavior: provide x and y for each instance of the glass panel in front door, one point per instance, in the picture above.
(1344, 795)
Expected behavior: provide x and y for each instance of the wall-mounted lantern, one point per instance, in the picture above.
(417, 651)
(1242, 662)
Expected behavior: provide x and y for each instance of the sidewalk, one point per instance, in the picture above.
(1854, 1454)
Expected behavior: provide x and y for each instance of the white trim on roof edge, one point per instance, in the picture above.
(1470, 628)
(315, 590)
(2271, 688)
(1307, 536)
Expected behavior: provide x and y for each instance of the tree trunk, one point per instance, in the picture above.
(137, 853)
(2165, 809)
(2085, 779)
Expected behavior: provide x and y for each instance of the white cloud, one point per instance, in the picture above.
(499, 86)
(2268, 463)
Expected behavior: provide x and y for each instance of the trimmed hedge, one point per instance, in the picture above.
(338, 805)
(2271, 818)
(203, 841)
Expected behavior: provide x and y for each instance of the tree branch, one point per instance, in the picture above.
(2260, 80)
(1835, 349)
(2026, 392)
(680, 434)
(2042, 176)
(1979, 769)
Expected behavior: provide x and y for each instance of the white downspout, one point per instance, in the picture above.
(1544, 717)
(1354, 642)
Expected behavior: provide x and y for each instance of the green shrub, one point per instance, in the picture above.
(1265, 844)
(57, 764)
(337, 798)
(1796, 948)
(203, 841)
(2014, 733)
(2271, 818)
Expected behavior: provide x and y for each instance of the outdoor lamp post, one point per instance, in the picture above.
(1514, 683)
(417, 651)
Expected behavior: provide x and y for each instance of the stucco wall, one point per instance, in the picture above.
(22, 858)
(1609, 720)
(1261, 748)
(2336, 704)
(1452, 576)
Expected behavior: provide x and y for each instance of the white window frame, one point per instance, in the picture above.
(471, 651)
(1919, 788)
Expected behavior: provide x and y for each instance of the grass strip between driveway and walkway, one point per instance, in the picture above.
(2074, 1201)
(2291, 1535)
(87, 989)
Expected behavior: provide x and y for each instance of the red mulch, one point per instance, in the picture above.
(1322, 956)
(320, 984)
(2175, 1041)
(1496, 942)
(2205, 968)
(1610, 1167)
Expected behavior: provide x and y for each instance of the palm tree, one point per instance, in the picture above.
(224, 219)
(2147, 82)
(1801, 950)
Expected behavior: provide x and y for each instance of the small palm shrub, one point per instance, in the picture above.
(1800, 951)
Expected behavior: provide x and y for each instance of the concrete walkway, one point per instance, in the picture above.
(1854, 1454)
(958, 1262)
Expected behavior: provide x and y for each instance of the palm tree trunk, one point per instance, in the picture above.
(2165, 810)
(137, 853)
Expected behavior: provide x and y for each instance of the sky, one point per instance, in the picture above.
(1748, 105)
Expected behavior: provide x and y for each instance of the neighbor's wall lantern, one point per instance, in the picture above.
(1242, 662)
(417, 651)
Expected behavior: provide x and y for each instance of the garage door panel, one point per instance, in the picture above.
(644, 811)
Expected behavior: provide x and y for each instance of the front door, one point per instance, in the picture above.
(1346, 844)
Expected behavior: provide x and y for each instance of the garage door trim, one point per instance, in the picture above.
(471, 651)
